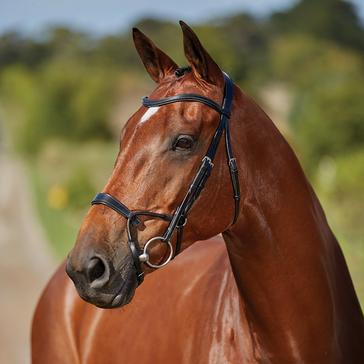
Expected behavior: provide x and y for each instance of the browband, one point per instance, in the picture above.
(186, 97)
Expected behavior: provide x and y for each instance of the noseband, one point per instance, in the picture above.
(178, 219)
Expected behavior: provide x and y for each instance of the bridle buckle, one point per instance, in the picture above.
(184, 219)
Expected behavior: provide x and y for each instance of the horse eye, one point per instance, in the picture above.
(183, 142)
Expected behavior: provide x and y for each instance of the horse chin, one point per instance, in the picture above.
(125, 295)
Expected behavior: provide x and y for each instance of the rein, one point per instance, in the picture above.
(178, 219)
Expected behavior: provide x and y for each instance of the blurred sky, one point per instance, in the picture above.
(107, 16)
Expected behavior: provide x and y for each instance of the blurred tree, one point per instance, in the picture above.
(334, 20)
(68, 43)
(93, 103)
(115, 51)
(305, 62)
(326, 116)
(63, 100)
(328, 121)
(20, 102)
(248, 40)
(15, 49)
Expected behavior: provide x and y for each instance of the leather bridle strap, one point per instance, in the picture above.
(132, 221)
(116, 205)
(203, 174)
(183, 98)
(179, 218)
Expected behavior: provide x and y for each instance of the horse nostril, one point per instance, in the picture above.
(97, 272)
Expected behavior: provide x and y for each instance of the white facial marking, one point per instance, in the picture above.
(148, 114)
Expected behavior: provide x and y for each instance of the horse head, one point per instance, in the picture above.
(158, 166)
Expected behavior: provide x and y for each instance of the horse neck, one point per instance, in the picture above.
(288, 267)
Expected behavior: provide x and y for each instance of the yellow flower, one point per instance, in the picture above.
(57, 197)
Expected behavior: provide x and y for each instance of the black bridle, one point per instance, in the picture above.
(178, 219)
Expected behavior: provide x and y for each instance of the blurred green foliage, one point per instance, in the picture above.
(326, 115)
(65, 95)
(333, 20)
(64, 180)
(61, 100)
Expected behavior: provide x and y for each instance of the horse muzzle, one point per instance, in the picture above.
(100, 281)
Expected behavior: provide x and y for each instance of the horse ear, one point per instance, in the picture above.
(156, 62)
(201, 62)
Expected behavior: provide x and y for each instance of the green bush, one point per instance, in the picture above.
(21, 101)
(61, 100)
(340, 184)
(80, 189)
(307, 63)
(328, 121)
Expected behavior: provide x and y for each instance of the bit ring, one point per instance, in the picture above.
(144, 257)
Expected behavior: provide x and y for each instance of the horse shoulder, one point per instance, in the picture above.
(188, 312)
(53, 338)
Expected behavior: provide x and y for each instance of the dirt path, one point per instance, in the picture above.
(26, 262)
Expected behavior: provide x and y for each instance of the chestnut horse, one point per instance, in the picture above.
(188, 312)
(289, 299)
